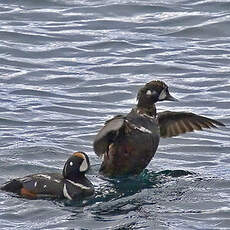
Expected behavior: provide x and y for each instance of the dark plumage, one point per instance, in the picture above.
(128, 143)
(71, 184)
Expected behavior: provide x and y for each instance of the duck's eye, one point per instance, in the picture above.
(148, 92)
(71, 163)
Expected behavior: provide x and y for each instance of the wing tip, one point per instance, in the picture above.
(220, 124)
(215, 123)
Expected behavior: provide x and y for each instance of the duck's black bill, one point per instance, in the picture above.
(170, 98)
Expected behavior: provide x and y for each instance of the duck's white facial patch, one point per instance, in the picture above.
(163, 95)
(84, 165)
(71, 163)
(148, 92)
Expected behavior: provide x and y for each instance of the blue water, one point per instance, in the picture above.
(67, 66)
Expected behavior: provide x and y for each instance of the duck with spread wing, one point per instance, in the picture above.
(128, 143)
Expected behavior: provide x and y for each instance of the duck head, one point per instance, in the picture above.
(153, 92)
(76, 166)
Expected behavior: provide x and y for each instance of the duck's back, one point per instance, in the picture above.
(37, 185)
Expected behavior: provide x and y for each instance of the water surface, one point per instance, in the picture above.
(67, 66)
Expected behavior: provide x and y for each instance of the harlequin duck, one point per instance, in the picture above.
(128, 143)
(71, 184)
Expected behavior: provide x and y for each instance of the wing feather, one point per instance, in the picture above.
(107, 134)
(176, 123)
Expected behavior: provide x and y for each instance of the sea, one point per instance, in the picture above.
(67, 66)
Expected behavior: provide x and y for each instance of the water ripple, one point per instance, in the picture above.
(67, 66)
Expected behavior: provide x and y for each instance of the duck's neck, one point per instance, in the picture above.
(75, 178)
(147, 109)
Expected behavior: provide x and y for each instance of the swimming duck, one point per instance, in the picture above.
(71, 184)
(128, 143)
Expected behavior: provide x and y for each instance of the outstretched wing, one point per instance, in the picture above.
(107, 134)
(176, 123)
